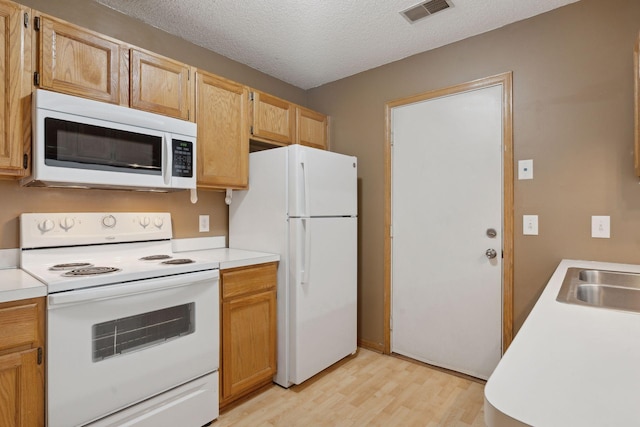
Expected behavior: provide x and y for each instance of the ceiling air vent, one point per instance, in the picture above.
(422, 10)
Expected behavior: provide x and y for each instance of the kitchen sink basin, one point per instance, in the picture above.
(601, 288)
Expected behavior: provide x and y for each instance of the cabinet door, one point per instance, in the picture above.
(223, 132)
(80, 62)
(160, 85)
(248, 342)
(16, 54)
(273, 119)
(21, 390)
(311, 128)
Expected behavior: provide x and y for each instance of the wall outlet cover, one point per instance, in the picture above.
(203, 223)
(601, 227)
(530, 225)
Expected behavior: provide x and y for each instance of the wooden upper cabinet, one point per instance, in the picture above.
(273, 119)
(80, 62)
(15, 74)
(311, 128)
(160, 85)
(223, 132)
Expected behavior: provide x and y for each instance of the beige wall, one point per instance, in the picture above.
(15, 199)
(573, 115)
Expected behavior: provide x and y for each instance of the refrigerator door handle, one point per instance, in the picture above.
(306, 257)
(305, 178)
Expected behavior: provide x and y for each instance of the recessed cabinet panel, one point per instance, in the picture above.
(79, 62)
(160, 85)
(273, 119)
(22, 363)
(15, 126)
(248, 330)
(311, 128)
(223, 132)
(21, 390)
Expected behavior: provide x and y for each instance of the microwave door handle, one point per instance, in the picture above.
(166, 158)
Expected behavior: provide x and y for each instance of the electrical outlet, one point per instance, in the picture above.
(204, 223)
(601, 227)
(530, 225)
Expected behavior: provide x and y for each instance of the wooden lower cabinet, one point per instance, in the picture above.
(248, 330)
(21, 363)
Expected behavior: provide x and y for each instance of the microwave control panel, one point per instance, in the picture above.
(182, 158)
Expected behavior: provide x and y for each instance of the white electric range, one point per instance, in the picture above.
(132, 328)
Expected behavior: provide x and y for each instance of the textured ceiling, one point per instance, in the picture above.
(311, 42)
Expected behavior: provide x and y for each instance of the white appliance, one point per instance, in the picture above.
(132, 328)
(79, 142)
(302, 204)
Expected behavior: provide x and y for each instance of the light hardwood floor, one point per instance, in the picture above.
(368, 389)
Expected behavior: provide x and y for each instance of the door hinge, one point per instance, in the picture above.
(188, 74)
(25, 161)
(36, 78)
(26, 20)
(251, 130)
(36, 23)
(39, 355)
(250, 96)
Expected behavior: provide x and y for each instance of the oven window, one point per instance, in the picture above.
(131, 333)
(82, 146)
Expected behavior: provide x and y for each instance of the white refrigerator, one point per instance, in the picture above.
(302, 204)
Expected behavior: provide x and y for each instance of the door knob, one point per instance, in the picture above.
(491, 253)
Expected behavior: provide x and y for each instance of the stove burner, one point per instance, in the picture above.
(154, 257)
(70, 266)
(90, 271)
(178, 261)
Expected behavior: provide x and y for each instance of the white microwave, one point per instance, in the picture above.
(83, 143)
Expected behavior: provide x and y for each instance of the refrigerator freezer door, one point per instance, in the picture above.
(323, 294)
(321, 183)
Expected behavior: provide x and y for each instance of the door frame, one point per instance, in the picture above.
(506, 80)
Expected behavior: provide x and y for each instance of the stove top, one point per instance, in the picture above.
(53, 255)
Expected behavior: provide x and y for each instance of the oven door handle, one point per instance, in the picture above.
(131, 288)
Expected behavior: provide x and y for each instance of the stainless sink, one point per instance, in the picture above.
(601, 288)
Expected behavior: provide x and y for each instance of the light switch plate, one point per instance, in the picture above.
(525, 169)
(601, 227)
(203, 223)
(530, 225)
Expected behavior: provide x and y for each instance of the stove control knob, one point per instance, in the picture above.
(145, 221)
(46, 225)
(109, 221)
(67, 223)
(158, 222)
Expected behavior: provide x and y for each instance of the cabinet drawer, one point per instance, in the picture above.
(18, 325)
(245, 280)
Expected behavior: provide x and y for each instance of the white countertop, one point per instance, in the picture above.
(15, 284)
(213, 249)
(570, 365)
(232, 258)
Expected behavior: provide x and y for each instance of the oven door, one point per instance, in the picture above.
(112, 346)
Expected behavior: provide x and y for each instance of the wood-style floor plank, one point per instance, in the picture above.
(368, 389)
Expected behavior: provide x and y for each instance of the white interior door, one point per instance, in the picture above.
(446, 193)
